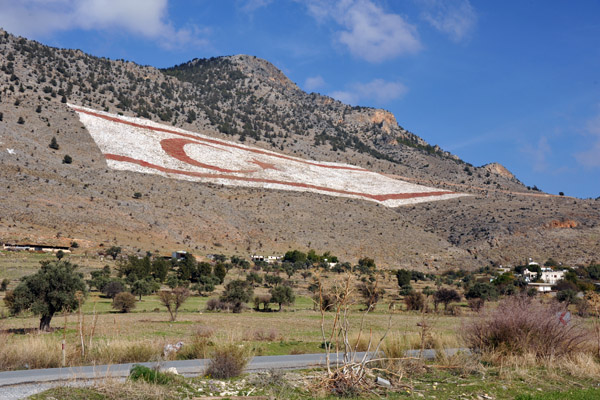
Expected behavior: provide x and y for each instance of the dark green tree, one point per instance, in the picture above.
(50, 290)
(237, 292)
(282, 294)
(403, 276)
(294, 255)
(114, 252)
(54, 144)
(141, 287)
(67, 159)
(113, 287)
(220, 272)
(482, 290)
(445, 296)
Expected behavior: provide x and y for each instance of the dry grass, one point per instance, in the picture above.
(139, 390)
(520, 326)
(228, 361)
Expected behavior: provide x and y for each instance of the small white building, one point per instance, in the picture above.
(548, 276)
(552, 277)
(541, 287)
(268, 259)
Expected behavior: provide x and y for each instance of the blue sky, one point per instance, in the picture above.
(514, 82)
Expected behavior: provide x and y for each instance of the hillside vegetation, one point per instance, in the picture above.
(51, 198)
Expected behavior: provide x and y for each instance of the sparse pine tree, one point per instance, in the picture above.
(54, 144)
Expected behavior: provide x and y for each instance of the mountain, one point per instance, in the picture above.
(247, 100)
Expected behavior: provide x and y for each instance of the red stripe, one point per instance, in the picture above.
(379, 197)
(214, 141)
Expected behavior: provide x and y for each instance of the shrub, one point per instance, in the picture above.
(262, 299)
(112, 288)
(227, 362)
(173, 299)
(445, 296)
(4, 284)
(414, 301)
(521, 325)
(219, 305)
(371, 294)
(67, 159)
(140, 372)
(124, 302)
(483, 291)
(476, 304)
(54, 144)
(568, 296)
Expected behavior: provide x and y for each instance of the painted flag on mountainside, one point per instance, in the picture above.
(136, 144)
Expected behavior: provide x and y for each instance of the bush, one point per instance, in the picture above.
(219, 305)
(414, 301)
(521, 325)
(445, 296)
(54, 144)
(67, 159)
(4, 284)
(173, 300)
(112, 288)
(124, 302)
(140, 372)
(227, 362)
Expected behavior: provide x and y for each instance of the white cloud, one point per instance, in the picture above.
(345, 97)
(455, 18)
(314, 83)
(250, 6)
(381, 91)
(591, 157)
(538, 154)
(145, 18)
(368, 31)
(378, 91)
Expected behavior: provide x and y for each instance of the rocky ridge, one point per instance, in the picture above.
(247, 99)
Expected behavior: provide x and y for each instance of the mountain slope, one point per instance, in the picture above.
(247, 99)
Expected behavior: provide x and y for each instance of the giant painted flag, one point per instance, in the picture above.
(135, 144)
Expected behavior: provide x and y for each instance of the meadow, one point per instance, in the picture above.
(97, 334)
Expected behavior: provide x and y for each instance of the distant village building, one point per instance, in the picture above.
(541, 287)
(548, 275)
(35, 247)
(178, 255)
(268, 259)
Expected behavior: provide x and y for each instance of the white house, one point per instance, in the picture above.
(552, 277)
(541, 287)
(548, 276)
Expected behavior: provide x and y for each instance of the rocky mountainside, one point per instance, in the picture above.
(247, 99)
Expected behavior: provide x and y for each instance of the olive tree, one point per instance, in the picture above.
(50, 290)
(173, 299)
(282, 294)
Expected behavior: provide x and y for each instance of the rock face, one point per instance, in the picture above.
(499, 169)
(248, 100)
(568, 223)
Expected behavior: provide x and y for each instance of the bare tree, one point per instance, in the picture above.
(173, 299)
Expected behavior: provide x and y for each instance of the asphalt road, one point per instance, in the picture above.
(186, 368)
(16, 385)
